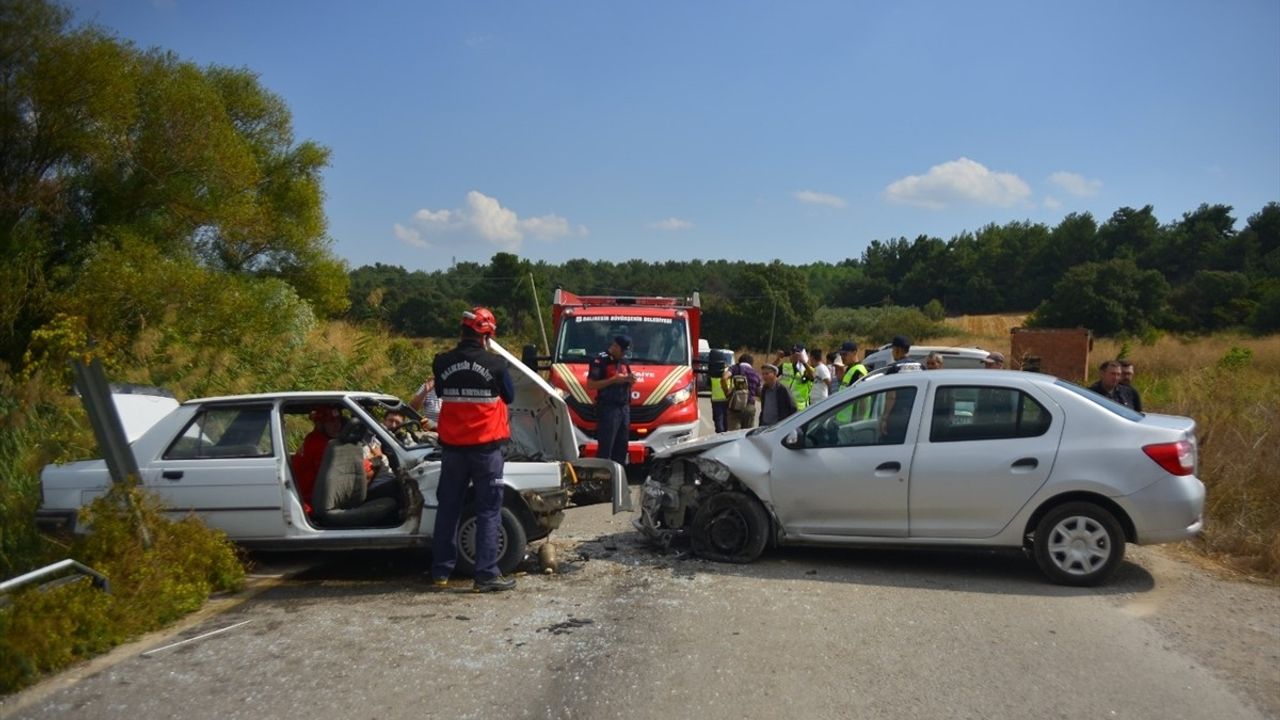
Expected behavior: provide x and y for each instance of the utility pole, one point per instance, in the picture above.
(537, 305)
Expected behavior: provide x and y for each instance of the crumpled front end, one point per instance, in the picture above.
(672, 493)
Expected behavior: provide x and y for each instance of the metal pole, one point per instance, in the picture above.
(537, 305)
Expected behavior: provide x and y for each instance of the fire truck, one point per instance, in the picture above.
(664, 338)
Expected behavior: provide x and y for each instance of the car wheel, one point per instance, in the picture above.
(1079, 544)
(730, 527)
(512, 542)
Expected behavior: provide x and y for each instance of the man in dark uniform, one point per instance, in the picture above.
(1126, 379)
(475, 388)
(610, 377)
(1110, 387)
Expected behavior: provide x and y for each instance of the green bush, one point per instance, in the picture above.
(152, 584)
(874, 325)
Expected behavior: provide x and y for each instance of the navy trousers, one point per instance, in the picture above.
(483, 471)
(720, 415)
(613, 428)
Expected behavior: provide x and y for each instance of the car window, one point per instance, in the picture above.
(875, 419)
(225, 432)
(962, 413)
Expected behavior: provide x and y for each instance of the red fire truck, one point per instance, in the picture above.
(664, 338)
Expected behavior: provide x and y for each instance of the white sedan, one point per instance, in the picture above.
(229, 460)
(939, 458)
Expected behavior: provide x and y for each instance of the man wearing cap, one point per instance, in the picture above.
(776, 401)
(899, 347)
(475, 388)
(854, 370)
(610, 378)
(797, 376)
(994, 361)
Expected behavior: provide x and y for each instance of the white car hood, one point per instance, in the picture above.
(541, 428)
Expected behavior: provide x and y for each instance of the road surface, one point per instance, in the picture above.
(623, 631)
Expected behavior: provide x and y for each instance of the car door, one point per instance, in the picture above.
(844, 472)
(226, 466)
(984, 452)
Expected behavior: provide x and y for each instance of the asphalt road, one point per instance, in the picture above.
(625, 632)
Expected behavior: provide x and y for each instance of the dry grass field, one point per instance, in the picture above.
(1230, 384)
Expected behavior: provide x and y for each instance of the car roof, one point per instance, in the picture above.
(964, 375)
(294, 395)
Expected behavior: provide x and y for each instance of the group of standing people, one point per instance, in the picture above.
(1115, 382)
(788, 384)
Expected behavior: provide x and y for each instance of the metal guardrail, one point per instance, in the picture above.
(81, 570)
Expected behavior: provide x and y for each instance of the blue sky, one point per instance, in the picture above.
(744, 130)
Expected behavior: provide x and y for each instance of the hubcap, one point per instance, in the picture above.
(1079, 545)
(467, 540)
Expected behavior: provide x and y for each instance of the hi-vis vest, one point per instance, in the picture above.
(472, 412)
(795, 381)
(717, 388)
(851, 374)
(846, 414)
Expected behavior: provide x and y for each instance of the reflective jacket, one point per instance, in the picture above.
(474, 388)
(793, 377)
(852, 373)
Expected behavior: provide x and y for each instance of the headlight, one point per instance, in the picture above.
(682, 395)
(712, 469)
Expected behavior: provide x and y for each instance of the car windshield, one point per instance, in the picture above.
(1115, 407)
(654, 340)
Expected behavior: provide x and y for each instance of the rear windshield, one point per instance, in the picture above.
(1107, 403)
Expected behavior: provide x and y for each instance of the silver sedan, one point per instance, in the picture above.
(941, 458)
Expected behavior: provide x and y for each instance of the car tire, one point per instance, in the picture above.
(1078, 544)
(512, 542)
(730, 527)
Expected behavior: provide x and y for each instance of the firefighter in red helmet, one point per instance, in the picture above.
(475, 387)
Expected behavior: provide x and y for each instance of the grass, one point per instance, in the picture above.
(1230, 384)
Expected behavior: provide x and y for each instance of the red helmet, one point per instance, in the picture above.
(481, 320)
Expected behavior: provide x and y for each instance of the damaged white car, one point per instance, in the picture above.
(232, 461)
(940, 458)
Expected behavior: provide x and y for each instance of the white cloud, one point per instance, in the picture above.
(409, 236)
(1052, 203)
(671, 224)
(819, 198)
(958, 181)
(1075, 184)
(481, 218)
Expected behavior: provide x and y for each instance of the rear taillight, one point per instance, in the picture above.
(1177, 458)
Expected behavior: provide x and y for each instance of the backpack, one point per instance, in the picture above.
(739, 393)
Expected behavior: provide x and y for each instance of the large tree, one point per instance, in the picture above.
(100, 140)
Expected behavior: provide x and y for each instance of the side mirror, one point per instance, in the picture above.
(793, 440)
(529, 356)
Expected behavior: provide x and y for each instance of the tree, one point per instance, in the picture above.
(102, 141)
(1109, 298)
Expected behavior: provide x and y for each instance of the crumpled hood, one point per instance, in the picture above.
(540, 425)
(698, 445)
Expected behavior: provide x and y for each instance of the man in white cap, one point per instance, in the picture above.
(994, 361)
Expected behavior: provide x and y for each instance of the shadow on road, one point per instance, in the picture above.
(1001, 572)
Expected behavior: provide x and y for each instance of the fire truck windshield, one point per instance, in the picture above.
(654, 340)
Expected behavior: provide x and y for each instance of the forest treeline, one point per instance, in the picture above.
(1129, 275)
(147, 199)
